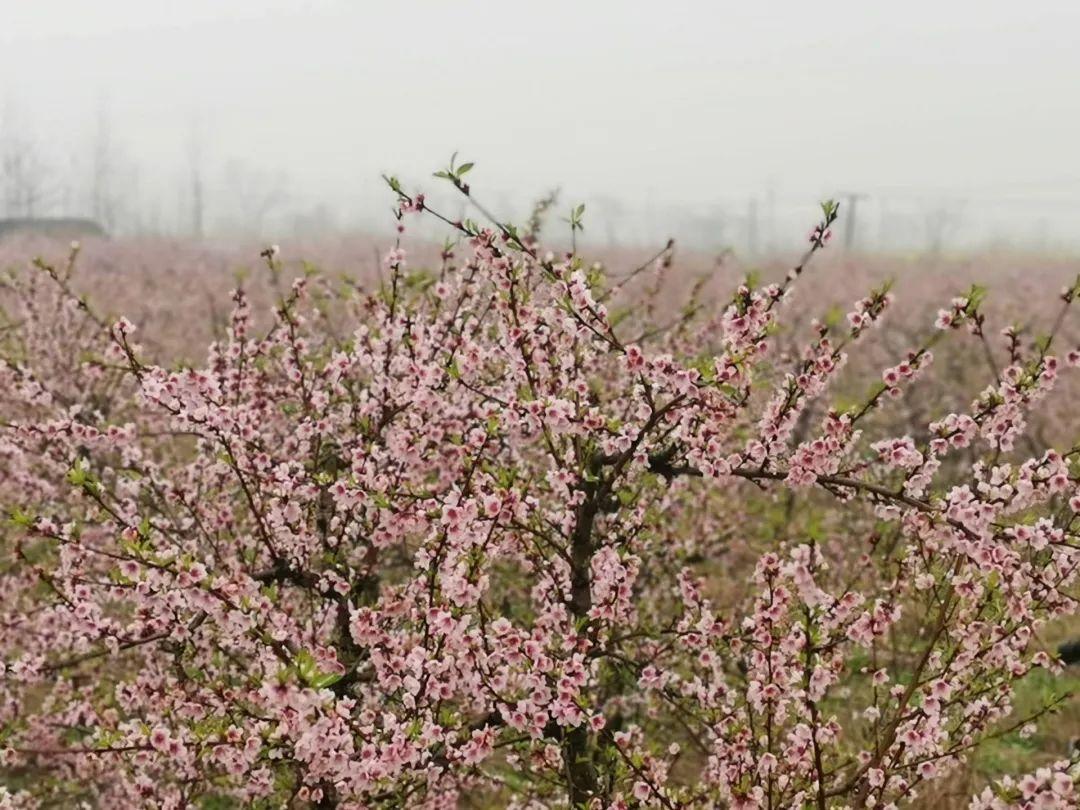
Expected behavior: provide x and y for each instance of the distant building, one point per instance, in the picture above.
(52, 227)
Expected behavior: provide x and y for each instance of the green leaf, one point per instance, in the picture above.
(305, 665)
(463, 168)
(21, 518)
(308, 671)
(325, 679)
(834, 317)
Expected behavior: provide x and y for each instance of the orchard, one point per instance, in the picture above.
(499, 530)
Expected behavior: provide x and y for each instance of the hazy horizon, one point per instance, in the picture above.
(716, 122)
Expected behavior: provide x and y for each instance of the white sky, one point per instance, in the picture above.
(672, 103)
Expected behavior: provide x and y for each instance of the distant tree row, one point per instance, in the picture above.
(98, 179)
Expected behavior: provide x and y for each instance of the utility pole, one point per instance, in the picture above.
(103, 190)
(752, 227)
(195, 170)
(852, 198)
(770, 219)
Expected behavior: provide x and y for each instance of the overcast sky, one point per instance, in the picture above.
(649, 103)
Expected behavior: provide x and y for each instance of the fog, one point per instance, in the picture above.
(716, 122)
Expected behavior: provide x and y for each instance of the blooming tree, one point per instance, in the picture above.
(498, 534)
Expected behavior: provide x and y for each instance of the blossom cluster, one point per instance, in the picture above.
(474, 535)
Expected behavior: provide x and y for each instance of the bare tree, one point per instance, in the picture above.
(253, 193)
(27, 181)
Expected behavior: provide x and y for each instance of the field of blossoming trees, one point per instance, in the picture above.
(492, 525)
